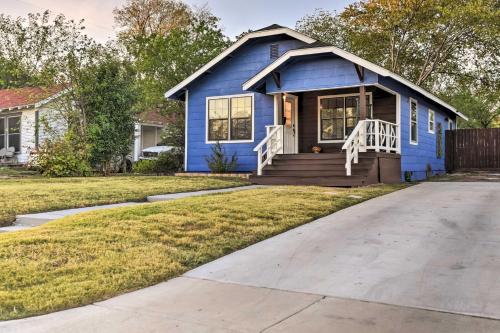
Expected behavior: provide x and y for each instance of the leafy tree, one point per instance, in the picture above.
(141, 19)
(166, 48)
(173, 133)
(426, 41)
(107, 96)
(33, 50)
(164, 59)
(481, 106)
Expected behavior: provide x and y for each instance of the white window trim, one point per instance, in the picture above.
(433, 130)
(207, 141)
(7, 132)
(319, 113)
(413, 142)
(450, 124)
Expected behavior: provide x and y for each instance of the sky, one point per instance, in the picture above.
(236, 15)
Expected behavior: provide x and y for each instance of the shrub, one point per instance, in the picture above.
(62, 157)
(218, 162)
(168, 162)
(144, 166)
(428, 170)
(408, 175)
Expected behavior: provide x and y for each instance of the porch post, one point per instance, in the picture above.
(279, 106)
(362, 103)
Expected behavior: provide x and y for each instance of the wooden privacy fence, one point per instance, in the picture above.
(473, 149)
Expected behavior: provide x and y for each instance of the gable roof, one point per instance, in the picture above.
(27, 97)
(271, 30)
(320, 48)
(271, 27)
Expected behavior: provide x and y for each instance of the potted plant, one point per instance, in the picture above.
(316, 149)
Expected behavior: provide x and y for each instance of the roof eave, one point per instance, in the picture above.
(348, 56)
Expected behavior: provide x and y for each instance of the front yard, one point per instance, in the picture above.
(33, 195)
(96, 255)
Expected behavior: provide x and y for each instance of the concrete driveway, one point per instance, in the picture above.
(425, 259)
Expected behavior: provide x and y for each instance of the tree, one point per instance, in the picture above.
(32, 50)
(166, 49)
(481, 106)
(106, 93)
(426, 41)
(165, 61)
(141, 19)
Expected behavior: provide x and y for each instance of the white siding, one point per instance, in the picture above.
(27, 135)
(56, 127)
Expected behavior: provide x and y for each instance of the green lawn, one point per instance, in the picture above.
(32, 195)
(96, 255)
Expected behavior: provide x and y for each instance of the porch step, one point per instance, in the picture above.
(341, 181)
(323, 156)
(302, 161)
(315, 166)
(300, 173)
(325, 169)
(308, 156)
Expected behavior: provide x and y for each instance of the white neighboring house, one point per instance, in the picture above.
(23, 111)
(147, 132)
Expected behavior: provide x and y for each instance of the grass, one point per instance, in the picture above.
(32, 195)
(96, 255)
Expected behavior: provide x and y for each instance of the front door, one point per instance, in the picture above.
(290, 128)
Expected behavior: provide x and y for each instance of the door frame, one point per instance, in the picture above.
(296, 116)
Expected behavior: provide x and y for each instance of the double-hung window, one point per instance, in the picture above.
(413, 122)
(10, 132)
(230, 118)
(3, 137)
(338, 115)
(431, 121)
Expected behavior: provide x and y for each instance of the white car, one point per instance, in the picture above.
(151, 153)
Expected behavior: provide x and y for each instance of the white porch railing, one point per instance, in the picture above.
(271, 145)
(371, 134)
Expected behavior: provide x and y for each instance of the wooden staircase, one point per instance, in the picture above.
(327, 169)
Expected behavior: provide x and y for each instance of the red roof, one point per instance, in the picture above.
(27, 96)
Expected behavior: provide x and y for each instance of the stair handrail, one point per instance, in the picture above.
(371, 134)
(271, 145)
(353, 144)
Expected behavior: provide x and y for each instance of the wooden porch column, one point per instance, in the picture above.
(360, 70)
(280, 108)
(362, 103)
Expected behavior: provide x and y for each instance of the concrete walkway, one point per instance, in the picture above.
(27, 221)
(425, 259)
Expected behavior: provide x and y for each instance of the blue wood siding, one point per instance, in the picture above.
(320, 73)
(414, 158)
(227, 79)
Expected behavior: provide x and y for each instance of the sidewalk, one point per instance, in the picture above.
(27, 221)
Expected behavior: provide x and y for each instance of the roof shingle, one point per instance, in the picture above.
(26, 96)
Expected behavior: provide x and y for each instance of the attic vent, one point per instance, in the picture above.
(274, 51)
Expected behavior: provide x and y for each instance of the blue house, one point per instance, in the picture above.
(298, 111)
